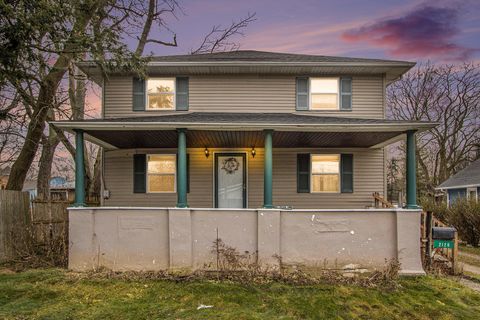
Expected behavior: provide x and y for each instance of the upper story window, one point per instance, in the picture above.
(325, 172)
(161, 94)
(324, 93)
(161, 172)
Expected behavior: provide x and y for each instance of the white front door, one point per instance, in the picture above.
(230, 186)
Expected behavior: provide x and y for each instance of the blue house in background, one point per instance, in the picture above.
(463, 184)
(60, 188)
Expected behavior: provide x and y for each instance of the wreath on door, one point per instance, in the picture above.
(230, 165)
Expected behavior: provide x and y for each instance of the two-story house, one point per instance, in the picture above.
(259, 147)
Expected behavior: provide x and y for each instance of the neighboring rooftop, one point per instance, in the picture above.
(468, 177)
(262, 62)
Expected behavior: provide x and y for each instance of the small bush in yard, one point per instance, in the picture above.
(464, 215)
(438, 209)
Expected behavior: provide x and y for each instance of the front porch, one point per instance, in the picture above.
(271, 145)
(294, 206)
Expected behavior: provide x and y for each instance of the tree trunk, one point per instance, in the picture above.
(95, 187)
(45, 167)
(36, 126)
(46, 95)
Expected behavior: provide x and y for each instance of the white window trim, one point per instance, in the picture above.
(147, 108)
(319, 174)
(162, 174)
(310, 93)
(213, 173)
(470, 190)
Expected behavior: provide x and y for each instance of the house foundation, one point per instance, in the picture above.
(146, 239)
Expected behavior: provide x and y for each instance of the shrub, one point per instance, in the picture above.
(439, 209)
(464, 215)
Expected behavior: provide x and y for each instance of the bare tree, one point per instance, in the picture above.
(12, 124)
(449, 95)
(220, 38)
(44, 39)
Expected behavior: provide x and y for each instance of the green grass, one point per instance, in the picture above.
(56, 294)
(474, 261)
(472, 275)
(471, 250)
(470, 260)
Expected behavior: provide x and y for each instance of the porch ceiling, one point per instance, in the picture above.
(210, 129)
(127, 139)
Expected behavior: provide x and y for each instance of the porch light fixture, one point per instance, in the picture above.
(207, 152)
(253, 152)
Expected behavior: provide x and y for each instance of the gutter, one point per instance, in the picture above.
(264, 63)
(459, 187)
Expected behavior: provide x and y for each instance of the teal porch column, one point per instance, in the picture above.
(182, 169)
(268, 171)
(411, 171)
(79, 170)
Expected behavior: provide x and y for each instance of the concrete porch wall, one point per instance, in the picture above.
(162, 238)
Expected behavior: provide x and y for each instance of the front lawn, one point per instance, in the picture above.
(471, 255)
(57, 294)
(469, 249)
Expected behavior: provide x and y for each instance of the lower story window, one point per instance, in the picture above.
(161, 173)
(325, 172)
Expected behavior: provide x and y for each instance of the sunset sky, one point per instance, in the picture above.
(439, 31)
(412, 30)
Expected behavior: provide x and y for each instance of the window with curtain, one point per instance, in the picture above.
(325, 173)
(160, 94)
(324, 93)
(161, 173)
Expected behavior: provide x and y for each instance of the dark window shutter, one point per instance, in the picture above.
(303, 173)
(188, 172)
(181, 98)
(139, 173)
(345, 93)
(346, 173)
(302, 94)
(138, 98)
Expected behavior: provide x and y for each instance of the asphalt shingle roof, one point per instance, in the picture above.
(466, 177)
(232, 117)
(263, 56)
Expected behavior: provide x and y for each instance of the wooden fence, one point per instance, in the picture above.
(49, 221)
(28, 225)
(14, 219)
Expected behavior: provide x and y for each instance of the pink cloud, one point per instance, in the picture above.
(425, 31)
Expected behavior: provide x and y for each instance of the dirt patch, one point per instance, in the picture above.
(471, 284)
(6, 271)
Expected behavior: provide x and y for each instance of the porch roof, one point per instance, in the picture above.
(242, 130)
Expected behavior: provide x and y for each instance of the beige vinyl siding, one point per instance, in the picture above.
(248, 93)
(368, 178)
(242, 93)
